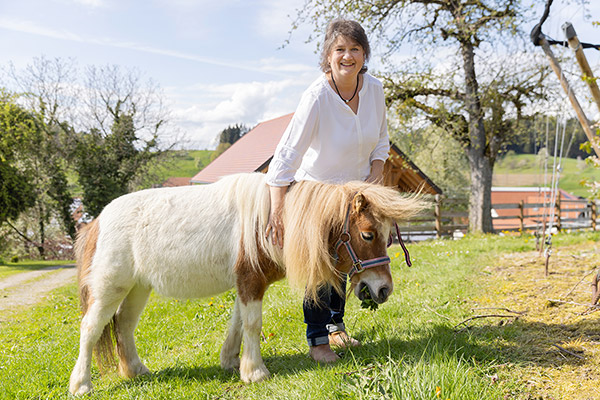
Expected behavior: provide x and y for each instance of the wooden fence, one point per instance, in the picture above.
(449, 217)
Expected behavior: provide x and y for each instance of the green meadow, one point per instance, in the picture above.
(413, 346)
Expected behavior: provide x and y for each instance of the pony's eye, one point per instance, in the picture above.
(368, 236)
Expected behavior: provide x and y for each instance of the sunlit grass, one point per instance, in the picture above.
(10, 268)
(411, 346)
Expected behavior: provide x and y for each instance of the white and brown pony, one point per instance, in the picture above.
(198, 241)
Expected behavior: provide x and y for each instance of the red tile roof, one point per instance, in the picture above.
(176, 181)
(250, 153)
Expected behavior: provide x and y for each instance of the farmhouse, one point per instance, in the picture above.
(253, 153)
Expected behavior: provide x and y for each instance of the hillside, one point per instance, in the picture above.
(528, 170)
(183, 163)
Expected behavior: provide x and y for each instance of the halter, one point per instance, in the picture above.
(358, 265)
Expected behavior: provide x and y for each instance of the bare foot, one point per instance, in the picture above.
(323, 353)
(341, 339)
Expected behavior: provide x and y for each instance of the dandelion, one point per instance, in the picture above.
(438, 391)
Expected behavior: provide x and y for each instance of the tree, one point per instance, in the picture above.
(107, 165)
(120, 118)
(475, 111)
(46, 93)
(437, 155)
(531, 136)
(124, 120)
(227, 137)
(16, 126)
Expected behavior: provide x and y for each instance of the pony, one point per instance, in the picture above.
(198, 241)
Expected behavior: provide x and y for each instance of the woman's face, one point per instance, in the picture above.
(346, 58)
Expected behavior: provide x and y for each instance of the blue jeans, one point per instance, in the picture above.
(326, 316)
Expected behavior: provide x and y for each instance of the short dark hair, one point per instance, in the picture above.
(349, 29)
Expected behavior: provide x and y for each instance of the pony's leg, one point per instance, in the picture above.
(230, 352)
(126, 320)
(92, 324)
(252, 368)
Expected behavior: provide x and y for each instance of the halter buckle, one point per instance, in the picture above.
(358, 267)
(345, 235)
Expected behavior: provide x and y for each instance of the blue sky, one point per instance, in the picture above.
(218, 62)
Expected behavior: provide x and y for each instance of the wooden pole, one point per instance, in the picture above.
(588, 75)
(521, 216)
(438, 216)
(574, 102)
(558, 213)
(594, 214)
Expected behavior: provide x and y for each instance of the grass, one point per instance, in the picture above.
(411, 349)
(10, 268)
(571, 176)
(185, 163)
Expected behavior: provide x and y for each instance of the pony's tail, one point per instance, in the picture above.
(85, 248)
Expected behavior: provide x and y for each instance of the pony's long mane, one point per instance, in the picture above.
(313, 212)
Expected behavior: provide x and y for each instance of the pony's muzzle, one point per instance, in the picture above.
(379, 295)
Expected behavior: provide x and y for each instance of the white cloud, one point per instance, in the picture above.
(244, 102)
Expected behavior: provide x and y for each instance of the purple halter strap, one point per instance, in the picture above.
(359, 265)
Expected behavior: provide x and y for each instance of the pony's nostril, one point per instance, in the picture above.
(383, 293)
(362, 289)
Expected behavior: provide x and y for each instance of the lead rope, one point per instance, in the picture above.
(406, 253)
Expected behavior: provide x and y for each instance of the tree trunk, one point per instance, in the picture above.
(480, 218)
(42, 227)
(480, 201)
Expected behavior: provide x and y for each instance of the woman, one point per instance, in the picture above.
(337, 134)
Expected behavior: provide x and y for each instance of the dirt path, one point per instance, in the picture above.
(28, 288)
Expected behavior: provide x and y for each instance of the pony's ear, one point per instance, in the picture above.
(359, 202)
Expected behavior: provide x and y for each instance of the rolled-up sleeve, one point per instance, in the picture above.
(294, 143)
(382, 149)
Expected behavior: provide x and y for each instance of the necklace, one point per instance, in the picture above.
(338, 92)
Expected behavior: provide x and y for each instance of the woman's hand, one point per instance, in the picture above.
(275, 225)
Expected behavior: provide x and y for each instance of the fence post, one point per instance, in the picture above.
(558, 213)
(437, 212)
(521, 216)
(594, 210)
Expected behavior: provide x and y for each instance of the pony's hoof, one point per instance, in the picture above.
(131, 371)
(256, 375)
(81, 389)
(232, 364)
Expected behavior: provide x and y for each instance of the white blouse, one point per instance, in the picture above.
(325, 141)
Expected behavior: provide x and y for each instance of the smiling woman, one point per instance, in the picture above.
(337, 134)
